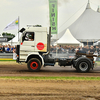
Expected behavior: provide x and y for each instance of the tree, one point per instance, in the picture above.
(8, 35)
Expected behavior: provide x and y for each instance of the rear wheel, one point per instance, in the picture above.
(83, 66)
(34, 65)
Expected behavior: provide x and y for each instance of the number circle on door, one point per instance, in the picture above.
(40, 46)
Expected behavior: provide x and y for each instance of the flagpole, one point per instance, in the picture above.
(57, 30)
(18, 28)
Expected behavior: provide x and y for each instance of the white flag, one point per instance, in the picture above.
(12, 25)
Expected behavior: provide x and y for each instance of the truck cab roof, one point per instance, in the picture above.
(35, 29)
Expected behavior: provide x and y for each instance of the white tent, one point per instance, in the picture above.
(68, 39)
(87, 26)
(55, 37)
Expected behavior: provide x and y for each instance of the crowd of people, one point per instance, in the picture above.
(74, 49)
(7, 49)
(59, 49)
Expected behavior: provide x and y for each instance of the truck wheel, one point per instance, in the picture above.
(34, 65)
(83, 66)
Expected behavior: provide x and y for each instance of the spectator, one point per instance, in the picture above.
(11, 49)
(92, 50)
(1, 50)
(97, 49)
(51, 48)
(60, 49)
(6, 48)
(87, 49)
(76, 49)
(54, 49)
(84, 49)
(14, 49)
(81, 49)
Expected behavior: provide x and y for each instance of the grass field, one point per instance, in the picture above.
(98, 63)
(49, 78)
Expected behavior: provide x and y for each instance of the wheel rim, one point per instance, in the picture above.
(34, 65)
(83, 66)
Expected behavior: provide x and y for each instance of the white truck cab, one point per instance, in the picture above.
(33, 43)
(35, 39)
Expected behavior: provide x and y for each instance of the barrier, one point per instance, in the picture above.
(6, 56)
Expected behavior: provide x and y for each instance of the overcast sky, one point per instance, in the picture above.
(32, 12)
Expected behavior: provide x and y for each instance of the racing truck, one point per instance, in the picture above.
(34, 49)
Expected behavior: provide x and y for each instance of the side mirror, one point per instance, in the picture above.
(23, 29)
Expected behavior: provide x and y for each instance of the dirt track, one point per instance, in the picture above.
(15, 69)
(47, 89)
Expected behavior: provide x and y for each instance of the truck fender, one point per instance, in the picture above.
(82, 58)
(33, 56)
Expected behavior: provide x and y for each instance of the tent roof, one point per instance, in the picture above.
(67, 38)
(87, 26)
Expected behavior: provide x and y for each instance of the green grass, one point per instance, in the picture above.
(98, 63)
(7, 60)
(49, 78)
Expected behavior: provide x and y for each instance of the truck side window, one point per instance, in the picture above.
(29, 36)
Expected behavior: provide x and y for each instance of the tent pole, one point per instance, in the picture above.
(87, 42)
(93, 41)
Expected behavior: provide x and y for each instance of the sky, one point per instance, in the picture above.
(33, 12)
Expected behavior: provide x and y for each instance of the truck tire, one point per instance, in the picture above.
(34, 65)
(83, 66)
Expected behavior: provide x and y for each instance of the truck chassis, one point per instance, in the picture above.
(82, 62)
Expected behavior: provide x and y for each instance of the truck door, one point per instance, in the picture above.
(27, 46)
